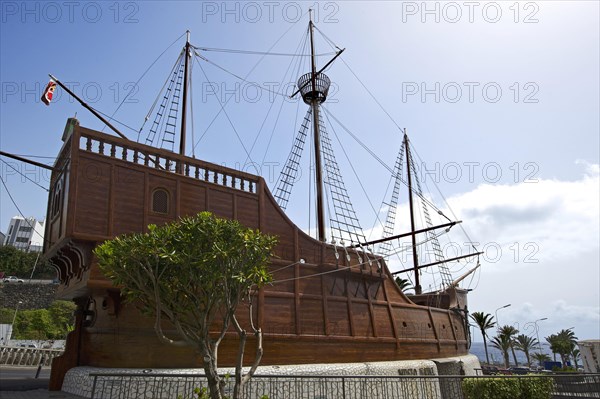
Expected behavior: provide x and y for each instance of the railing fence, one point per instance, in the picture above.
(19, 356)
(159, 385)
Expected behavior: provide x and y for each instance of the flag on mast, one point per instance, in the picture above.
(49, 92)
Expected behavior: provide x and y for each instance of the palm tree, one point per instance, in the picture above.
(484, 322)
(575, 355)
(510, 332)
(563, 343)
(567, 344)
(503, 343)
(540, 358)
(525, 343)
(403, 283)
(553, 341)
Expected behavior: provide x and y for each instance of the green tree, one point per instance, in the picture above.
(552, 339)
(40, 324)
(563, 343)
(403, 283)
(503, 343)
(540, 358)
(194, 272)
(14, 262)
(525, 344)
(575, 355)
(62, 314)
(511, 333)
(484, 321)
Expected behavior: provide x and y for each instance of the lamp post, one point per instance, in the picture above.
(537, 332)
(496, 313)
(12, 326)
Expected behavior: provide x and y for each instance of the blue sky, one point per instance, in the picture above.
(500, 100)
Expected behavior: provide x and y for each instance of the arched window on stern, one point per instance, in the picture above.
(160, 201)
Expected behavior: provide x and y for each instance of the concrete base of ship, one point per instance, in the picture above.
(78, 381)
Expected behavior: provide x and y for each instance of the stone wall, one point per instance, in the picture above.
(32, 295)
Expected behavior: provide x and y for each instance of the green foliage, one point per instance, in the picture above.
(41, 324)
(565, 369)
(403, 283)
(508, 388)
(563, 343)
(192, 263)
(540, 358)
(193, 272)
(14, 262)
(503, 343)
(484, 321)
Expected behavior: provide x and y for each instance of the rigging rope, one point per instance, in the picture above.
(247, 75)
(21, 213)
(24, 175)
(141, 77)
(228, 118)
(258, 52)
(169, 77)
(269, 111)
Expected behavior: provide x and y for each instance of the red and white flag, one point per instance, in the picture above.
(49, 92)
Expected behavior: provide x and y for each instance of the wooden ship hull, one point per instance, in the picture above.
(322, 307)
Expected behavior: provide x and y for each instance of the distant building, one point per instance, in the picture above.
(590, 355)
(25, 234)
(2, 237)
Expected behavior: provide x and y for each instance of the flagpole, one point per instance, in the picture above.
(93, 111)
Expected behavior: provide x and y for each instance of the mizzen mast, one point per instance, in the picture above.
(418, 288)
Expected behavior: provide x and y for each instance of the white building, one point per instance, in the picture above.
(25, 234)
(590, 355)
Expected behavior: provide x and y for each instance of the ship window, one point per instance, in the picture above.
(55, 208)
(160, 201)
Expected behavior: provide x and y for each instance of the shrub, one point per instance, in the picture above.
(508, 388)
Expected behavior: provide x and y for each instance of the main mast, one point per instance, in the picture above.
(184, 104)
(314, 103)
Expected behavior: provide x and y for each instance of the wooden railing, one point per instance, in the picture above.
(143, 155)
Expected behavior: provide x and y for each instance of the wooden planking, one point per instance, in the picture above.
(192, 198)
(362, 320)
(412, 322)
(128, 192)
(339, 323)
(308, 283)
(221, 203)
(92, 198)
(247, 210)
(381, 317)
(311, 317)
(281, 315)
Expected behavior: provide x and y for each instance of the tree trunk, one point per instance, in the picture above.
(215, 385)
(514, 356)
(487, 357)
(506, 359)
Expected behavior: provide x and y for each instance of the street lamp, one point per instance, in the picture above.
(12, 324)
(537, 332)
(497, 323)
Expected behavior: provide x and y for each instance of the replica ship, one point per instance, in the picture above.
(332, 302)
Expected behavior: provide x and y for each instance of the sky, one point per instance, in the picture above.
(500, 101)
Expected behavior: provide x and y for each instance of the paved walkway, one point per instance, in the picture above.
(18, 383)
(37, 394)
